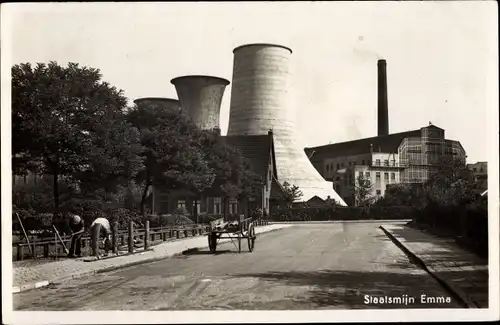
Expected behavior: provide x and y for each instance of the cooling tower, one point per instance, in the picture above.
(260, 101)
(158, 103)
(201, 97)
(382, 109)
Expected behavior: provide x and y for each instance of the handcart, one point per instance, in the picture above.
(219, 229)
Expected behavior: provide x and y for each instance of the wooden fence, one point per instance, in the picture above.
(129, 239)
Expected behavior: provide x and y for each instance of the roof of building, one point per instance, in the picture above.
(255, 148)
(276, 189)
(386, 143)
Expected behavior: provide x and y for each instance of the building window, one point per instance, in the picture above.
(217, 205)
(393, 175)
(377, 176)
(354, 163)
(377, 162)
(394, 162)
(327, 168)
(349, 163)
(341, 164)
(362, 162)
(386, 176)
(197, 206)
(367, 174)
(386, 162)
(233, 206)
(338, 167)
(378, 192)
(181, 204)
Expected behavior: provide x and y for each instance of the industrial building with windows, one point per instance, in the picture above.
(405, 157)
(480, 174)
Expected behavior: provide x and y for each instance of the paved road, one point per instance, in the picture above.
(322, 266)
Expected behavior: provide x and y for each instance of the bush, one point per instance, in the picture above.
(342, 213)
(468, 224)
(182, 211)
(124, 216)
(207, 218)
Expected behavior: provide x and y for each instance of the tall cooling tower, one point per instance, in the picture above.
(158, 103)
(260, 101)
(201, 97)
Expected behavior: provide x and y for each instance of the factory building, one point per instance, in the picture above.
(405, 157)
(480, 174)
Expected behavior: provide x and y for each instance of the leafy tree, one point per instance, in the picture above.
(362, 191)
(451, 183)
(57, 113)
(173, 156)
(290, 194)
(403, 195)
(113, 160)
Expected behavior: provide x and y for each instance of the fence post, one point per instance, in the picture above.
(20, 252)
(46, 250)
(200, 231)
(178, 234)
(35, 256)
(146, 236)
(130, 236)
(185, 233)
(114, 232)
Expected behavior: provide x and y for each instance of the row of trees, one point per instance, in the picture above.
(68, 123)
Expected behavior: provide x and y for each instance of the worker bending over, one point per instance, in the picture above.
(100, 229)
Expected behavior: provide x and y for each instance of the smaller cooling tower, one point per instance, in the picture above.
(158, 103)
(200, 97)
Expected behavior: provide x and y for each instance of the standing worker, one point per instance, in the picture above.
(77, 227)
(100, 228)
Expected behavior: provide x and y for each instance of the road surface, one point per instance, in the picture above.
(319, 266)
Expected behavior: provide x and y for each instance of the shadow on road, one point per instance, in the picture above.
(350, 289)
(191, 252)
(449, 252)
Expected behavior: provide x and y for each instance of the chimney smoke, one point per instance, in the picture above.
(383, 110)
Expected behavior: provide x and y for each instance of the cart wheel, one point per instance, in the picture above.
(251, 238)
(212, 242)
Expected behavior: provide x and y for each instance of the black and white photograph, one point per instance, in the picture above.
(208, 162)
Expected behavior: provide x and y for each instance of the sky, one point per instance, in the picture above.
(442, 59)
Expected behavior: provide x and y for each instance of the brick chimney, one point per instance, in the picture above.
(382, 110)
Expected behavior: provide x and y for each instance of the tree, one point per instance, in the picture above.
(173, 153)
(113, 160)
(291, 194)
(362, 191)
(450, 184)
(403, 195)
(55, 114)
